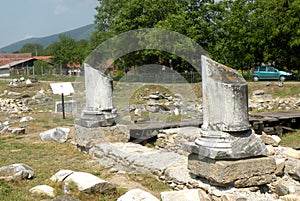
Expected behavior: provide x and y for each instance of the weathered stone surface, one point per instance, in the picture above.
(290, 197)
(131, 156)
(44, 190)
(270, 150)
(292, 168)
(273, 140)
(89, 183)
(280, 163)
(58, 134)
(85, 182)
(292, 153)
(61, 175)
(225, 106)
(99, 110)
(64, 198)
(186, 195)
(240, 173)
(88, 136)
(174, 139)
(28, 81)
(98, 86)
(16, 172)
(221, 145)
(94, 119)
(70, 107)
(16, 131)
(137, 194)
(281, 188)
(26, 118)
(258, 92)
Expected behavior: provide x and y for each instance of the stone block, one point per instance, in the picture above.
(292, 168)
(58, 134)
(70, 107)
(85, 136)
(16, 172)
(186, 195)
(239, 173)
(273, 140)
(89, 183)
(43, 190)
(137, 194)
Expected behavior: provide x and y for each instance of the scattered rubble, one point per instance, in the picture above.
(13, 106)
(260, 101)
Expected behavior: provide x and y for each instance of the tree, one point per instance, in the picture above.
(240, 34)
(41, 67)
(35, 49)
(68, 51)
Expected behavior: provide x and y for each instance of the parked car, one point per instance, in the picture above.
(270, 73)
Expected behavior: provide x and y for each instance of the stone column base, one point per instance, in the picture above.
(239, 173)
(87, 137)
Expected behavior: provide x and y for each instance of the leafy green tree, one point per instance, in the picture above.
(41, 67)
(238, 33)
(68, 51)
(35, 49)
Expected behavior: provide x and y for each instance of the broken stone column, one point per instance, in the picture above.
(227, 152)
(99, 110)
(98, 119)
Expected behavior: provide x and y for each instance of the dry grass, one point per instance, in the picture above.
(46, 158)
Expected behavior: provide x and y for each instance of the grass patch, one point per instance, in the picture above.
(291, 139)
(150, 181)
(45, 159)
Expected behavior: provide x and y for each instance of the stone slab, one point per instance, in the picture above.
(89, 183)
(186, 195)
(239, 173)
(135, 157)
(87, 137)
(69, 106)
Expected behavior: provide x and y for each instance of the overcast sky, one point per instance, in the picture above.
(21, 19)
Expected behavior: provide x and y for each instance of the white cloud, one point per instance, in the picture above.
(61, 9)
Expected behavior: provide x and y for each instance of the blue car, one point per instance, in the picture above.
(270, 73)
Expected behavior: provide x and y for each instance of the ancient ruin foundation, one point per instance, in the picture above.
(227, 152)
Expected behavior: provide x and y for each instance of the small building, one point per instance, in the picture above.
(8, 58)
(11, 64)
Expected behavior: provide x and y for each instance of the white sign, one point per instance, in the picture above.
(65, 88)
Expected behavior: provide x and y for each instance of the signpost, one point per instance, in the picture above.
(63, 88)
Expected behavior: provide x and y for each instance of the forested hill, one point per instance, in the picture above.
(77, 34)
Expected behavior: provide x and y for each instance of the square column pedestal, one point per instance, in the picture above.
(99, 126)
(238, 173)
(230, 159)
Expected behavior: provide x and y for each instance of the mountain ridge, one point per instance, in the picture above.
(80, 33)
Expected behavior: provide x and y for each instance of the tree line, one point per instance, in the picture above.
(237, 33)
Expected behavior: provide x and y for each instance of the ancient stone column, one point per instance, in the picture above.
(225, 104)
(228, 152)
(98, 89)
(99, 110)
